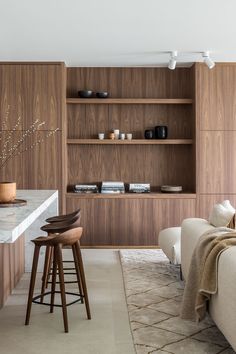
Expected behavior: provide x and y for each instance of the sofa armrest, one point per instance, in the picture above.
(191, 230)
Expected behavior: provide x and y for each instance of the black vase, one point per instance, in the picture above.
(149, 134)
(161, 132)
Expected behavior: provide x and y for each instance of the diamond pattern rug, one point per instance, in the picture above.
(154, 293)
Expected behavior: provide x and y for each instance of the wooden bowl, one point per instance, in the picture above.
(7, 191)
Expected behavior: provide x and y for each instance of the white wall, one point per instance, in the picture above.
(115, 32)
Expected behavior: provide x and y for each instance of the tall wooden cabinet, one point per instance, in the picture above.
(216, 135)
(34, 91)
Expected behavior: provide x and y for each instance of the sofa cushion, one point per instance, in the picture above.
(221, 214)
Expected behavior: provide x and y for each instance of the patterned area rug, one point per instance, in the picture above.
(154, 293)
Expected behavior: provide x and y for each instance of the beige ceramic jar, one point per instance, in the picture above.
(7, 192)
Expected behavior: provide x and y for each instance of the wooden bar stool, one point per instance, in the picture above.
(72, 221)
(65, 217)
(68, 238)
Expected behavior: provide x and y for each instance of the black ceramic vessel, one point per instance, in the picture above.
(85, 93)
(161, 132)
(149, 134)
(102, 94)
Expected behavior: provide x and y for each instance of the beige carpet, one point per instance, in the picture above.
(154, 293)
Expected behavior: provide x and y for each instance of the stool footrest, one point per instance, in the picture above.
(65, 282)
(35, 298)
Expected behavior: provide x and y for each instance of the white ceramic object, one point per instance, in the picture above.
(101, 136)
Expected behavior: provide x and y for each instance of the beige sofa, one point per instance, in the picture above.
(223, 304)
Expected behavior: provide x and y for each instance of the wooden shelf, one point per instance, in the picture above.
(130, 142)
(133, 196)
(129, 101)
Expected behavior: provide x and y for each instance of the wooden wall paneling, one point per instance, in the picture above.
(95, 79)
(86, 121)
(41, 89)
(206, 203)
(139, 163)
(13, 170)
(217, 98)
(217, 162)
(132, 82)
(132, 222)
(43, 163)
(12, 266)
(11, 98)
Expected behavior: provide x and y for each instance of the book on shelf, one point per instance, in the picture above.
(139, 187)
(86, 188)
(113, 187)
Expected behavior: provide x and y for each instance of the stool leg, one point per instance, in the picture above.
(77, 273)
(32, 283)
(80, 268)
(62, 287)
(45, 271)
(54, 278)
(50, 264)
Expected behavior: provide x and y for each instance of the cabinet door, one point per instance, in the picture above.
(11, 159)
(128, 222)
(12, 101)
(43, 162)
(216, 92)
(32, 91)
(217, 162)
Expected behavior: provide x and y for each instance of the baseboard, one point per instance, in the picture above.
(120, 247)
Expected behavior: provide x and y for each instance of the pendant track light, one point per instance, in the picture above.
(207, 60)
(173, 60)
(181, 55)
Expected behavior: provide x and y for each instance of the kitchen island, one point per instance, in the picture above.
(18, 226)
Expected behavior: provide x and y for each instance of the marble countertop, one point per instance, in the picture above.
(14, 221)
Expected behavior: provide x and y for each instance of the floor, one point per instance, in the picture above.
(107, 333)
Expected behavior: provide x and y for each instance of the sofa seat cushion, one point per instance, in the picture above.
(169, 241)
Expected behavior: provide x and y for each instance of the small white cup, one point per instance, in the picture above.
(122, 136)
(117, 133)
(129, 136)
(101, 136)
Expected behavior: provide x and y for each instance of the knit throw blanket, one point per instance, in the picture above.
(202, 277)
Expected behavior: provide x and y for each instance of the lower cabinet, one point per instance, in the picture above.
(128, 221)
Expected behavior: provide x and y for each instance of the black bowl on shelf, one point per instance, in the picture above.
(102, 94)
(85, 93)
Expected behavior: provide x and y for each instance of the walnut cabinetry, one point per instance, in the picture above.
(197, 105)
(128, 221)
(216, 135)
(140, 98)
(34, 91)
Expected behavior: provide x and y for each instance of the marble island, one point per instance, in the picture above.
(18, 226)
(15, 221)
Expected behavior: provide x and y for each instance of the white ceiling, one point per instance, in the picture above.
(116, 32)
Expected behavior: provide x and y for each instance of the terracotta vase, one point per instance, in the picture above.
(7, 191)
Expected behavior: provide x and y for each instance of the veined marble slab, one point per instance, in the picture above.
(15, 221)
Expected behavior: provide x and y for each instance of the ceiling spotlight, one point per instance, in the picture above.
(207, 60)
(172, 62)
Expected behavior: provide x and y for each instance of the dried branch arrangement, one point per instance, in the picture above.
(10, 149)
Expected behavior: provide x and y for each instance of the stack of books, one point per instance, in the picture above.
(139, 188)
(86, 188)
(113, 187)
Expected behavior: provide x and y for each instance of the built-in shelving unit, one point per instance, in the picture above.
(140, 98)
(151, 195)
(129, 101)
(130, 142)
